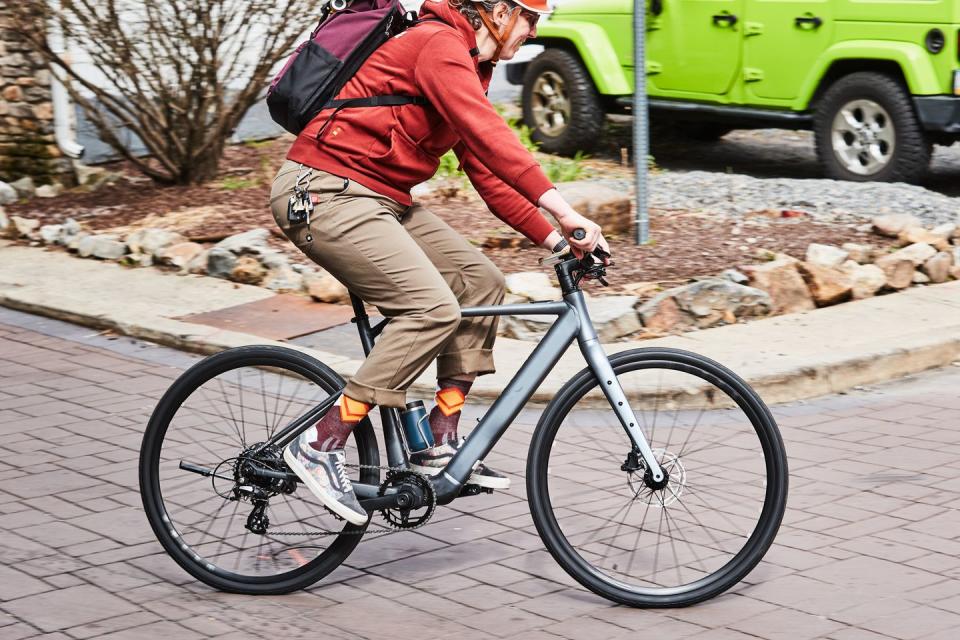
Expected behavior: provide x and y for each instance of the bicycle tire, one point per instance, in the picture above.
(599, 581)
(259, 357)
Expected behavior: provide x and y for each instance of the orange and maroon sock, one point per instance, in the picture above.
(445, 415)
(335, 426)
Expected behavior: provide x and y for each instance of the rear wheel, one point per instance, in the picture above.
(648, 544)
(865, 128)
(234, 530)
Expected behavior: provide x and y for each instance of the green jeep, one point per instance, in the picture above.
(876, 80)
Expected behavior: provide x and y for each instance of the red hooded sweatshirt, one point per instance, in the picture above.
(392, 149)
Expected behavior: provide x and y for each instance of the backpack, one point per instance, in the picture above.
(347, 34)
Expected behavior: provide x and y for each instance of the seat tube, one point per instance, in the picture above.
(599, 363)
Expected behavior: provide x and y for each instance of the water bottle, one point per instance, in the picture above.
(416, 427)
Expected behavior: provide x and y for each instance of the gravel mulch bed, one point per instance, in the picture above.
(701, 223)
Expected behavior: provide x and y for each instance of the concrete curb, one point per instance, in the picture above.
(785, 358)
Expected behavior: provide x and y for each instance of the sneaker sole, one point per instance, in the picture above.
(480, 481)
(346, 513)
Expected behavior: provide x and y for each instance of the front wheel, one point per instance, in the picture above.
(560, 104)
(646, 544)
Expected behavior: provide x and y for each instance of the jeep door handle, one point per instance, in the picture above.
(815, 22)
(730, 20)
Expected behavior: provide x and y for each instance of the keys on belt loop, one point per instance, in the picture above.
(300, 205)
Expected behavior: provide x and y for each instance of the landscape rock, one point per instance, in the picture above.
(107, 247)
(716, 301)
(151, 241)
(897, 269)
(735, 276)
(608, 207)
(178, 255)
(22, 227)
(8, 195)
(220, 262)
(947, 230)
(828, 285)
(866, 280)
(71, 228)
(861, 253)
(919, 235)
(824, 255)
(891, 225)
(248, 270)
(283, 280)
(248, 242)
(73, 242)
(51, 233)
(662, 314)
(917, 253)
(24, 187)
(4, 221)
(919, 277)
(782, 281)
(955, 272)
(532, 285)
(48, 191)
(323, 287)
(277, 260)
(94, 177)
(137, 260)
(938, 267)
(85, 244)
(197, 264)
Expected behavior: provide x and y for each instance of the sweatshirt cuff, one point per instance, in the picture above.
(532, 184)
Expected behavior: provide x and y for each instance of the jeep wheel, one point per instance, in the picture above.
(560, 104)
(865, 129)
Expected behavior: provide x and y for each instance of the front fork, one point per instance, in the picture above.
(599, 363)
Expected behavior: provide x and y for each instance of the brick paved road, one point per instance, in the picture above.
(870, 547)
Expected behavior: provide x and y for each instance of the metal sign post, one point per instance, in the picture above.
(641, 142)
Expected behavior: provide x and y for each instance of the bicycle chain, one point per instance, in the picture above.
(384, 530)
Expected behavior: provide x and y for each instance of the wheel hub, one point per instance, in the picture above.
(655, 493)
(863, 137)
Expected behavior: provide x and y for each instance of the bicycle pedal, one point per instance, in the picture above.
(474, 490)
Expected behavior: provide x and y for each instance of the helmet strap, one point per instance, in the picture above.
(500, 35)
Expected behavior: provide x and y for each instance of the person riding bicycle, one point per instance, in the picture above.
(395, 254)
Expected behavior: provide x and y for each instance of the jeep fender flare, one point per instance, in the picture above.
(594, 48)
(913, 60)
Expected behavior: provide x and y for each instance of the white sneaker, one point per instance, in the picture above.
(324, 473)
(432, 461)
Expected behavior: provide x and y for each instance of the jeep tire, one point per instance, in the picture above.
(560, 104)
(865, 128)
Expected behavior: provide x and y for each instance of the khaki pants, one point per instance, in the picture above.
(411, 266)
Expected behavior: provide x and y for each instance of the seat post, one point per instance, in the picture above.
(362, 321)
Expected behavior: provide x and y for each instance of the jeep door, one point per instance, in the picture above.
(693, 47)
(782, 40)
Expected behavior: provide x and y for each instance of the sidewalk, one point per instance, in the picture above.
(784, 358)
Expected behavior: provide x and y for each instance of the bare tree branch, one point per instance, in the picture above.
(179, 75)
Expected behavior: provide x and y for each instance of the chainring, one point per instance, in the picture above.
(408, 518)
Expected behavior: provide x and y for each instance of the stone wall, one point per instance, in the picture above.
(27, 144)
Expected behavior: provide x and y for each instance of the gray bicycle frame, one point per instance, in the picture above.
(573, 321)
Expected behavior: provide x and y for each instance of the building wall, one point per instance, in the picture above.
(27, 146)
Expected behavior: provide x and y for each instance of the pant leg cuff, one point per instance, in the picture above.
(476, 361)
(375, 395)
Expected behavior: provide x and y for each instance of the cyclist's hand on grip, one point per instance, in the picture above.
(584, 236)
